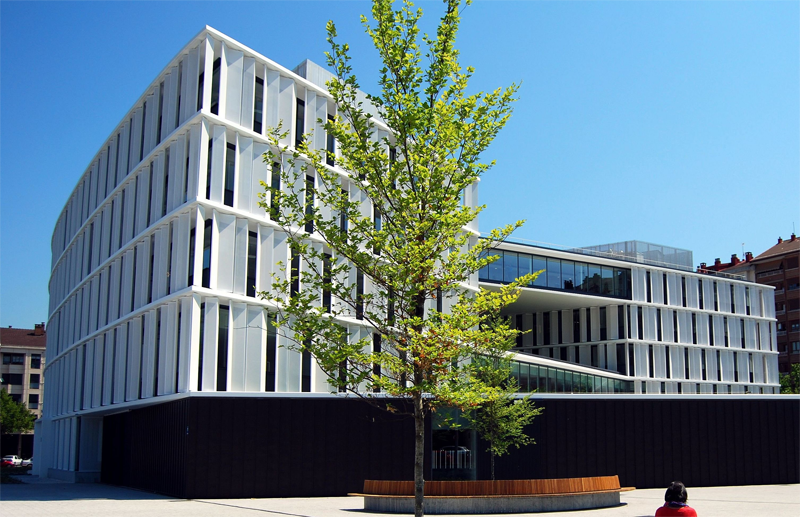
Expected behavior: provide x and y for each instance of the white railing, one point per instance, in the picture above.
(452, 459)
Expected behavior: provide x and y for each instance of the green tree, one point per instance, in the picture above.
(387, 245)
(502, 417)
(15, 418)
(790, 382)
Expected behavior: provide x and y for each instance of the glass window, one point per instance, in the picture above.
(607, 286)
(215, 87)
(36, 361)
(206, 280)
(581, 277)
(496, 267)
(272, 346)
(551, 380)
(523, 378)
(299, 128)
(554, 273)
(258, 105)
(524, 264)
(594, 279)
(222, 348)
(330, 147)
(230, 173)
(13, 358)
(560, 381)
(252, 247)
(568, 274)
(568, 382)
(34, 381)
(540, 264)
(33, 401)
(509, 266)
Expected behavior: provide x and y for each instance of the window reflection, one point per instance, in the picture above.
(565, 275)
(542, 379)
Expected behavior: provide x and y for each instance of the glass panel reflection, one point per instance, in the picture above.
(509, 266)
(540, 264)
(568, 274)
(554, 273)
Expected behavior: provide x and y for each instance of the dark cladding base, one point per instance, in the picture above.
(493, 504)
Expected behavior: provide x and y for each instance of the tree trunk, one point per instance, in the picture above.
(419, 456)
(492, 453)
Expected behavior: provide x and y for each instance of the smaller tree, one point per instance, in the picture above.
(502, 416)
(15, 418)
(790, 382)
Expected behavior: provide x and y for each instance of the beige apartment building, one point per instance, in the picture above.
(22, 352)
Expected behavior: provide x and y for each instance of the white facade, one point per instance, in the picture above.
(162, 245)
(670, 331)
(159, 252)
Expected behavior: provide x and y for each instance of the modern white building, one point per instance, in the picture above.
(638, 309)
(162, 246)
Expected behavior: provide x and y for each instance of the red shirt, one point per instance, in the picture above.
(675, 511)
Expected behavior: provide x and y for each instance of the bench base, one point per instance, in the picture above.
(437, 505)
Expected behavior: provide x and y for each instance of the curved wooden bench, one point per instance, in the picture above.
(505, 496)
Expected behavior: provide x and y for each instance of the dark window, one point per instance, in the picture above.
(716, 297)
(164, 193)
(33, 401)
(741, 331)
(178, 104)
(207, 254)
(258, 105)
(222, 349)
(359, 294)
(299, 123)
(703, 362)
(252, 247)
(621, 366)
(603, 324)
(309, 204)
(711, 331)
(343, 219)
(330, 146)
(589, 336)
(295, 273)
(376, 368)
(735, 367)
(200, 91)
(230, 173)
(306, 373)
(215, 87)
(683, 290)
(208, 168)
(650, 361)
(546, 327)
(725, 328)
(36, 361)
(272, 347)
(640, 319)
(649, 288)
(151, 270)
(149, 194)
(576, 325)
(674, 326)
(667, 362)
(694, 328)
(275, 188)
(14, 379)
(141, 137)
(700, 291)
(518, 325)
(747, 299)
(377, 222)
(666, 289)
(733, 299)
(192, 238)
(13, 358)
(560, 327)
(326, 281)
(160, 111)
(33, 381)
(658, 325)
(620, 322)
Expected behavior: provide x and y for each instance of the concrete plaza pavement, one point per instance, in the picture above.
(45, 498)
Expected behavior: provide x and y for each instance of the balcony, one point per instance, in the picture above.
(765, 274)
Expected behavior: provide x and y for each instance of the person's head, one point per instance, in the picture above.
(676, 493)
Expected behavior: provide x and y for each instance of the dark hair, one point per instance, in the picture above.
(676, 493)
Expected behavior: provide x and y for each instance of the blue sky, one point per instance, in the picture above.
(671, 122)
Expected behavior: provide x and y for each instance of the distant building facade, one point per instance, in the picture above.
(23, 355)
(777, 267)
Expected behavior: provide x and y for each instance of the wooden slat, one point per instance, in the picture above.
(501, 487)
